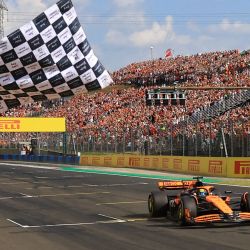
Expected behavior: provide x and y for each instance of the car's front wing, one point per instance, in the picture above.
(236, 217)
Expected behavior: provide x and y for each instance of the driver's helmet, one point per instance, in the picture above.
(202, 192)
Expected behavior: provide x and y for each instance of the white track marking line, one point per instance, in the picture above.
(6, 198)
(14, 222)
(54, 195)
(92, 185)
(108, 185)
(120, 202)
(41, 177)
(29, 166)
(22, 178)
(11, 183)
(137, 219)
(112, 221)
(50, 195)
(26, 195)
(123, 184)
(81, 186)
(31, 188)
(74, 224)
(112, 218)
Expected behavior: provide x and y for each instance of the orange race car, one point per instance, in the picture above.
(191, 201)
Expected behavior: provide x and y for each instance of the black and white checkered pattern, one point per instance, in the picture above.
(48, 58)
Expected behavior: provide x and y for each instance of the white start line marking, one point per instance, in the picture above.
(112, 220)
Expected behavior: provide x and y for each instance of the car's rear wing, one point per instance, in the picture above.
(174, 185)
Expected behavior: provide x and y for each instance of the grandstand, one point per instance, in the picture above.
(213, 122)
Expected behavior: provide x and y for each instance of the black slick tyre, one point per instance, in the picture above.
(245, 202)
(187, 202)
(157, 204)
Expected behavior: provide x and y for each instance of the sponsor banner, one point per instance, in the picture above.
(40, 124)
(120, 161)
(238, 167)
(107, 161)
(156, 164)
(84, 160)
(194, 166)
(97, 161)
(207, 166)
(134, 161)
(178, 164)
(146, 162)
(215, 167)
(165, 163)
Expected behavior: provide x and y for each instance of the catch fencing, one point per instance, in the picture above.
(220, 140)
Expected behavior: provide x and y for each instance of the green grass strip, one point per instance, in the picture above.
(148, 176)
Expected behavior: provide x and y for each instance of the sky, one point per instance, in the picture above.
(126, 31)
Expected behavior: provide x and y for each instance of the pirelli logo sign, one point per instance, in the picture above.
(242, 167)
(194, 165)
(177, 164)
(215, 167)
(32, 124)
(9, 124)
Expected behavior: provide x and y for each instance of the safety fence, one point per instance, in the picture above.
(165, 143)
(229, 139)
(217, 140)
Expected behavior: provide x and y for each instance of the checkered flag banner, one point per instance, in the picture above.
(48, 58)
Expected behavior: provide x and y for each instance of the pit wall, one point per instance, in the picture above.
(207, 166)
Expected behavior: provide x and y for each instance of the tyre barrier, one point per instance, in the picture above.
(74, 160)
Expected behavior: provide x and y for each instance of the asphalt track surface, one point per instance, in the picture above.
(61, 210)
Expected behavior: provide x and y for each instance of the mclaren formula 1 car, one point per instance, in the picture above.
(191, 201)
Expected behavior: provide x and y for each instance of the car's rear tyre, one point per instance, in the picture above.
(158, 204)
(187, 202)
(245, 202)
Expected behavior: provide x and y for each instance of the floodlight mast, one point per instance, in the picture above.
(3, 8)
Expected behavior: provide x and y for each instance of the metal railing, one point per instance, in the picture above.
(216, 109)
(230, 139)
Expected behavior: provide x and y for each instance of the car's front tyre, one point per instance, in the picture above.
(245, 203)
(188, 203)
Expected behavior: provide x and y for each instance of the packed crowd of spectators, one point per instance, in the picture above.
(122, 110)
(216, 68)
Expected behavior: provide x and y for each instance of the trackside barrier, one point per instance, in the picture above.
(74, 160)
(207, 166)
